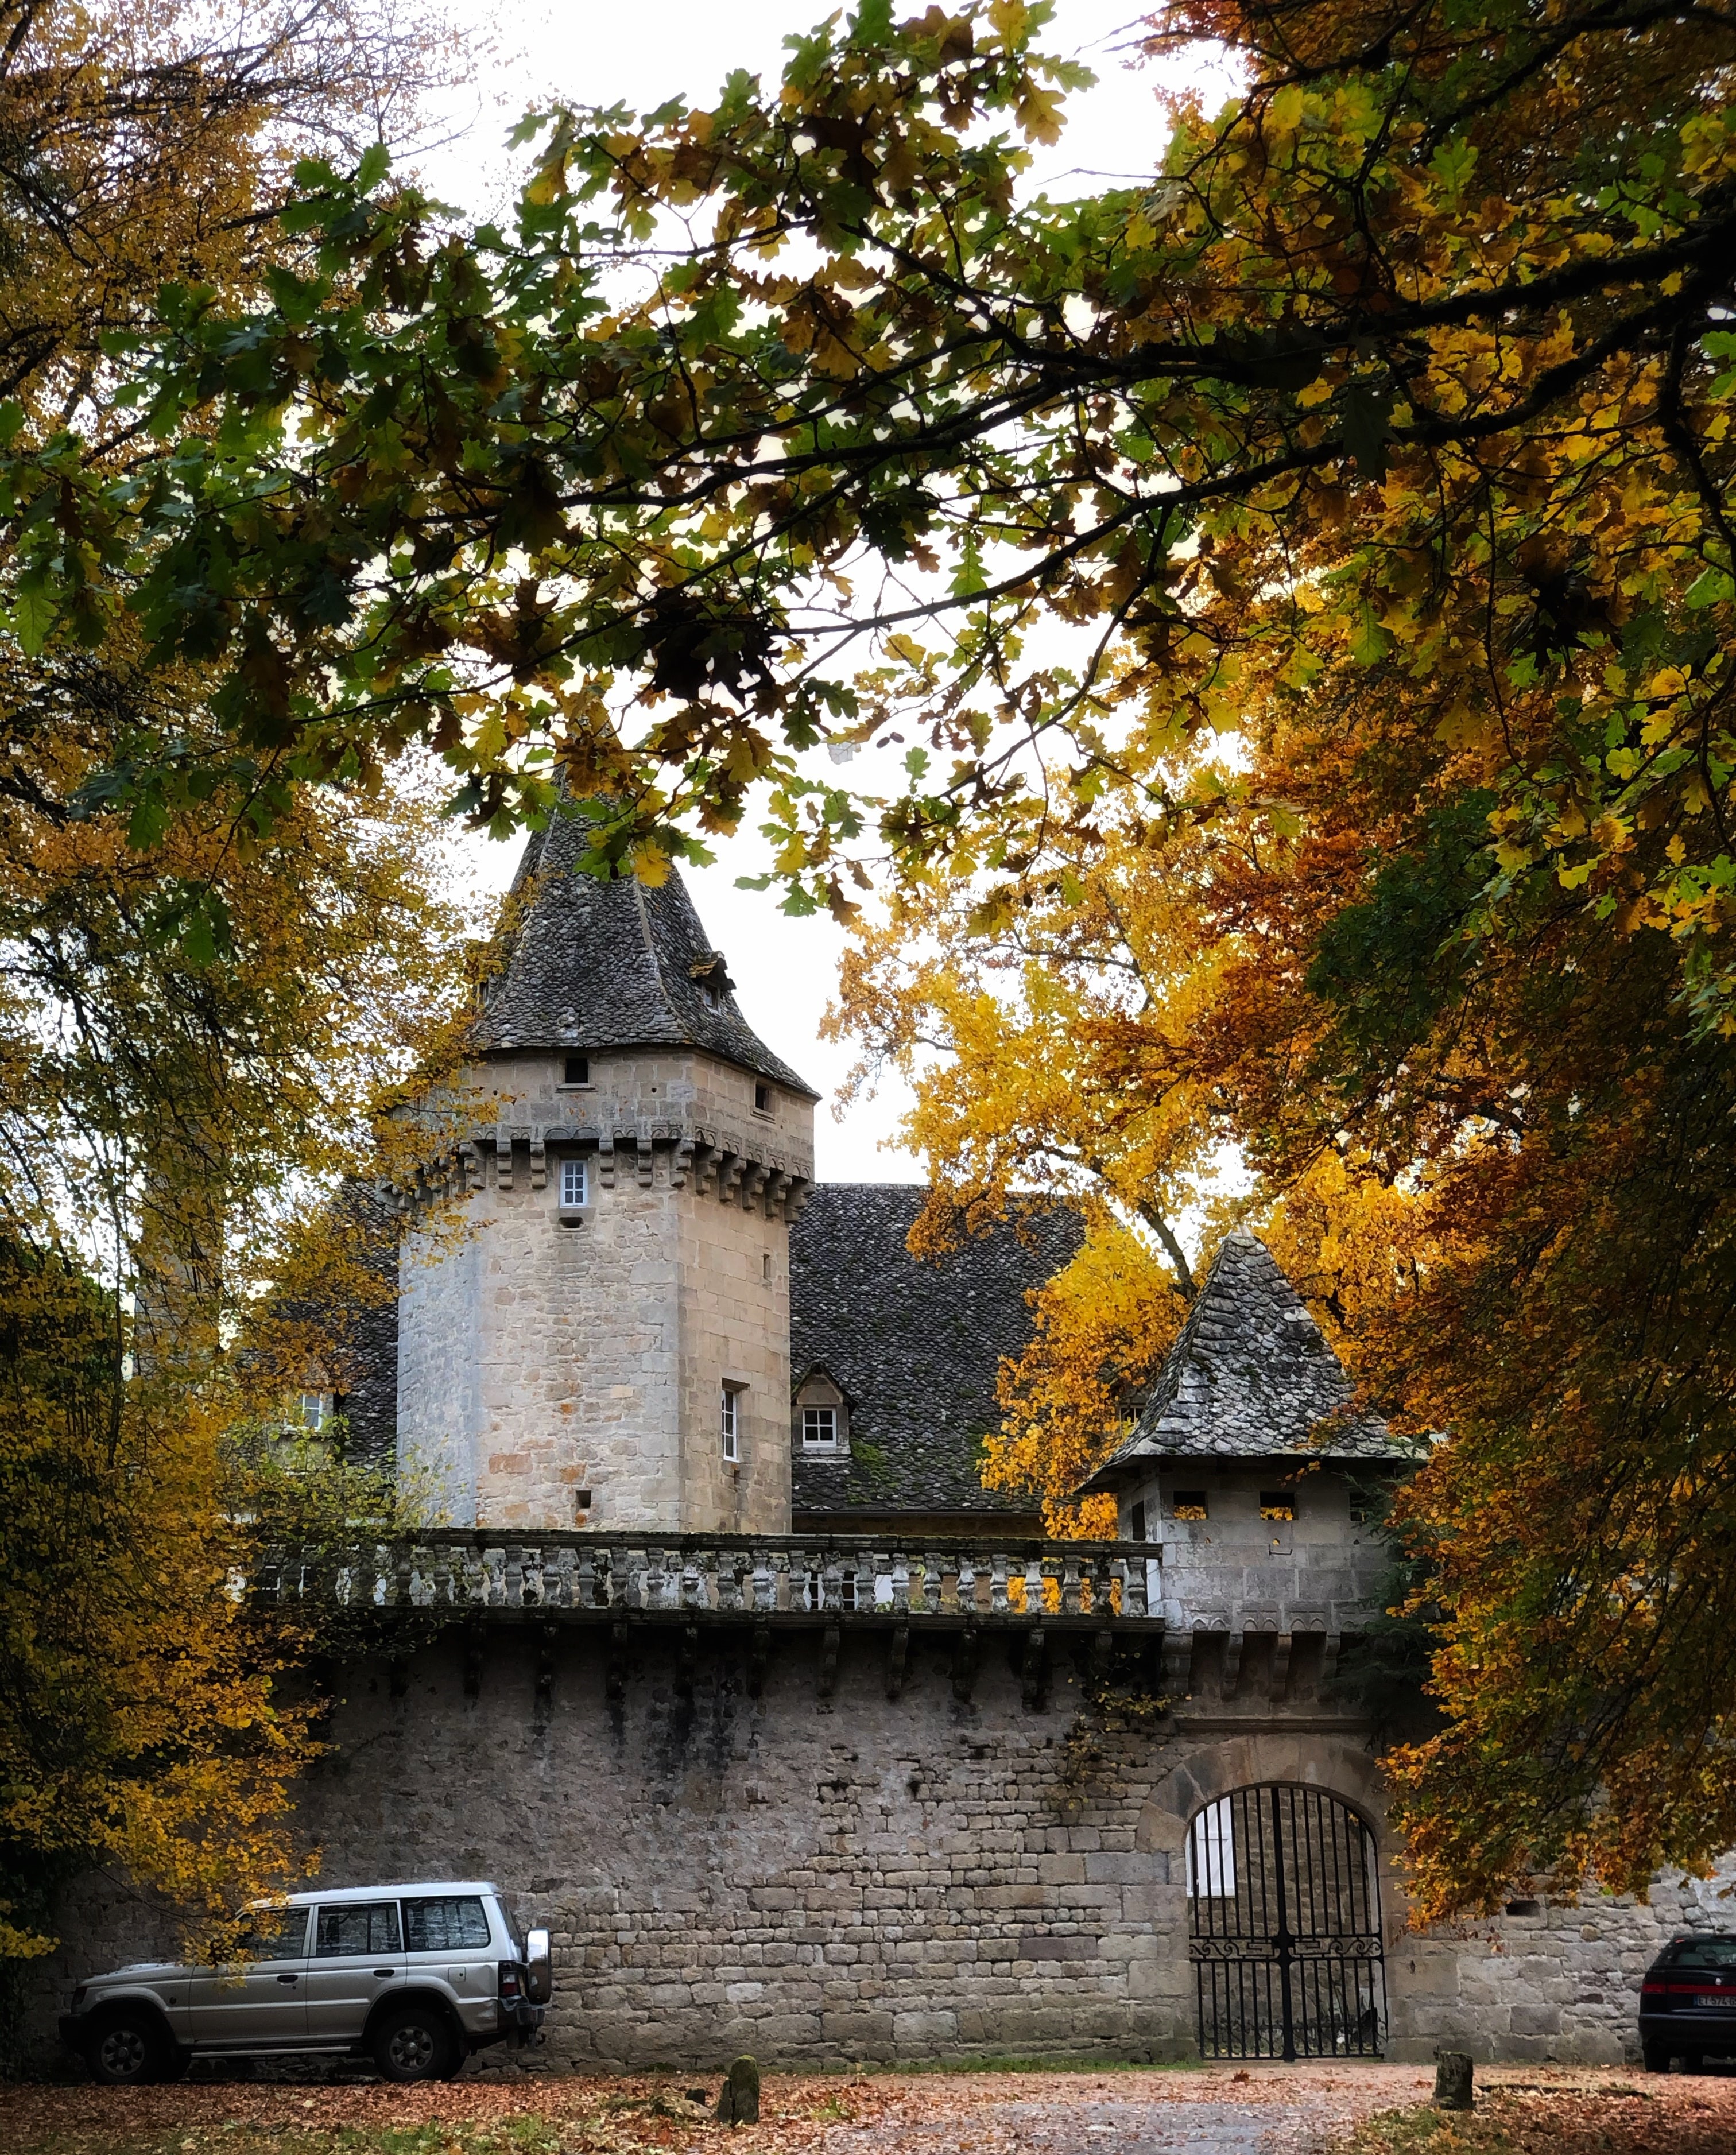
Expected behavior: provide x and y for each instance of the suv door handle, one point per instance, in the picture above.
(289, 1979)
(384, 1975)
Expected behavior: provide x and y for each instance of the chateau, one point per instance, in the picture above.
(731, 1670)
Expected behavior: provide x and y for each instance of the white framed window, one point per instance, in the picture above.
(313, 1411)
(729, 1422)
(819, 1428)
(1211, 1854)
(575, 1183)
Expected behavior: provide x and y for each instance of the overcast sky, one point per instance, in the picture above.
(641, 52)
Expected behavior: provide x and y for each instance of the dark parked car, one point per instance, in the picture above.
(1688, 2002)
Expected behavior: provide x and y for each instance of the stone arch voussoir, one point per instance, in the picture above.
(1338, 1765)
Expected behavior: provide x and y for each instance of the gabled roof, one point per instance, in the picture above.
(612, 964)
(915, 1348)
(1250, 1376)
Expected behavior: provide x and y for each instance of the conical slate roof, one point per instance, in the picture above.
(614, 965)
(1250, 1376)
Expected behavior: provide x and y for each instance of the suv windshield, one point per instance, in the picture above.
(1703, 1952)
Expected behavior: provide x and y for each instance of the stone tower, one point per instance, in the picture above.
(598, 1333)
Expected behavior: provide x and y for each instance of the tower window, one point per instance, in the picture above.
(819, 1427)
(762, 1099)
(729, 1422)
(766, 1266)
(578, 1070)
(574, 1183)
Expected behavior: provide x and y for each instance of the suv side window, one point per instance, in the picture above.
(456, 1922)
(275, 1934)
(366, 1927)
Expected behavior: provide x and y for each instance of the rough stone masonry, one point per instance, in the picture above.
(828, 1881)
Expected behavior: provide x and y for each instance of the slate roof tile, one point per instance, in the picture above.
(1250, 1376)
(916, 1348)
(611, 965)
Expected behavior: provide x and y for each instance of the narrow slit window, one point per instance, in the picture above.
(1138, 1528)
(730, 1419)
(578, 1070)
(574, 1183)
(762, 1099)
(766, 1266)
(1278, 1504)
(1188, 1504)
(819, 1427)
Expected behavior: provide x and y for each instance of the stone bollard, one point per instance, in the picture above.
(1452, 2080)
(740, 2102)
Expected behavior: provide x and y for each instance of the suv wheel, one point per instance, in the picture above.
(413, 2043)
(129, 2051)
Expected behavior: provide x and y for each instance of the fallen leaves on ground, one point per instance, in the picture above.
(1552, 2112)
(1674, 2118)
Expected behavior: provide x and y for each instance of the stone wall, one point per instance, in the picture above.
(1235, 1571)
(830, 1880)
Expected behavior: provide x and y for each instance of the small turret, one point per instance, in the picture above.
(1253, 1470)
(603, 1337)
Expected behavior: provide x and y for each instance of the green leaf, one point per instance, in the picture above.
(376, 163)
(871, 26)
(33, 616)
(1370, 643)
(1365, 427)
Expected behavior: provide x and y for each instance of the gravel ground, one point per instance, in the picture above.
(1255, 2110)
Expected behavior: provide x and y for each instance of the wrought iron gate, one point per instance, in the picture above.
(1285, 1900)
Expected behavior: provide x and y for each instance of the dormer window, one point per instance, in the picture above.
(820, 1416)
(577, 1070)
(711, 975)
(574, 1185)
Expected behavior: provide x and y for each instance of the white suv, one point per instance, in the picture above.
(415, 1977)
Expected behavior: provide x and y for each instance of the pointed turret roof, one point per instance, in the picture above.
(597, 965)
(1250, 1376)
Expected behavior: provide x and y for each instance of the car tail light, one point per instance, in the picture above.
(509, 1984)
(1654, 1990)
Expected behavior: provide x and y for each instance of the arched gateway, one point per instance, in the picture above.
(1283, 1897)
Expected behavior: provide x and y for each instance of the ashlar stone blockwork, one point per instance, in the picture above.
(563, 1364)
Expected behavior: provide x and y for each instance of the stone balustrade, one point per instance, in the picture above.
(790, 1579)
